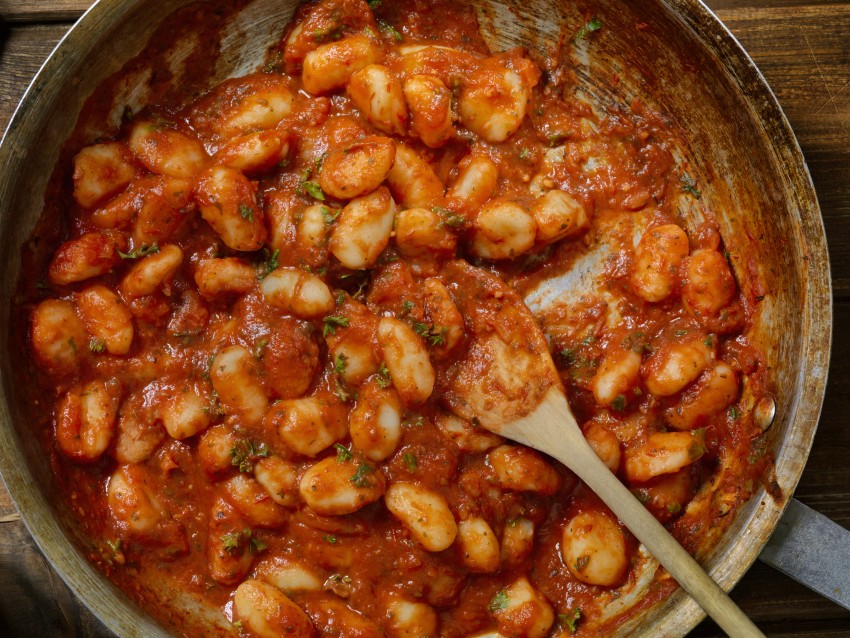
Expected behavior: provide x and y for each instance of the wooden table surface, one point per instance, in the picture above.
(803, 49)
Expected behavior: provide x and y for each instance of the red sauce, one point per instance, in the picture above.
(618, 170)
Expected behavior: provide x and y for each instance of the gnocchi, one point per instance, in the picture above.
(363, 230)
(424, 513)
(269, 326)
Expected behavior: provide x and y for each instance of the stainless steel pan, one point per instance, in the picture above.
(675, 56)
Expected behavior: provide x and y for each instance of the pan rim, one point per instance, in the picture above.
(680, 613)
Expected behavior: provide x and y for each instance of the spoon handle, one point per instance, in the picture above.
(546, 431)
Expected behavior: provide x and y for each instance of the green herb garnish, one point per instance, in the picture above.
(260, 348)
(343, 454)
(340, 363)
(411, 462)
(329, 215)
(433, 336)
(387, 28)
(142, 251)
(619, 403)
(689, 185)
(361, 476)
(449, 217)
(333, 322)
(246, 212)
(244, 453)
(593, 25)
(269, 264)
(384, 379)
(499, 601)
(571, 619)
(313, 190)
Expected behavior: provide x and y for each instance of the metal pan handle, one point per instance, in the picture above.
(813, 550)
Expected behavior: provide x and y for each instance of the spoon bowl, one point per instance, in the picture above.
(507, 382)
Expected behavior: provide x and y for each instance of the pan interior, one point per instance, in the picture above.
(675, 57)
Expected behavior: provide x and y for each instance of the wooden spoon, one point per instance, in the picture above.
(508, 382)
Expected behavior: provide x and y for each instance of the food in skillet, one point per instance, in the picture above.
(251, 340)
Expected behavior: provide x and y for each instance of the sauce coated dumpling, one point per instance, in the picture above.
(267, 379)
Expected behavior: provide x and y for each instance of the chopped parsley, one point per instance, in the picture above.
(571, 619)
(554, 139)
(115, 545)
(332, 32)
(340, 363)
(709, 341)
(449, 217)
(593, 25)
(569, 356)
(581, 562)
(734, 413)
(697, 447)
(619, 403)
(374, 4)
(389, 30)
(97, 345)
(257, 545)
(343, 454)
(674, 508)
(73, 344)
(313, 190)
(680, 333)
(341, 392)
(142, 251)
(418, 422)
(689, 185)
(274, 64)
(499, 601)
(406, 307)
(333, 322)
(361, 477)
(384, 379)
(269, 264)
(320, 160)
(214, 408)
(329, 538)
(233, 541)
(411, 461)
(524, 153)
(636, 342)
(260, 347)
(433, 336)
(246, 212)
(329, 215)
(244, 453)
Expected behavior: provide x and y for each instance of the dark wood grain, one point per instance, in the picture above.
(24, 48)
(42, 10)
(804, 53)
(803, 49)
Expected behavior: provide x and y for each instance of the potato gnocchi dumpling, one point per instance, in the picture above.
(264, 368)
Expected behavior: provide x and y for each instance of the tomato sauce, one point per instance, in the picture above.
(196, 444)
